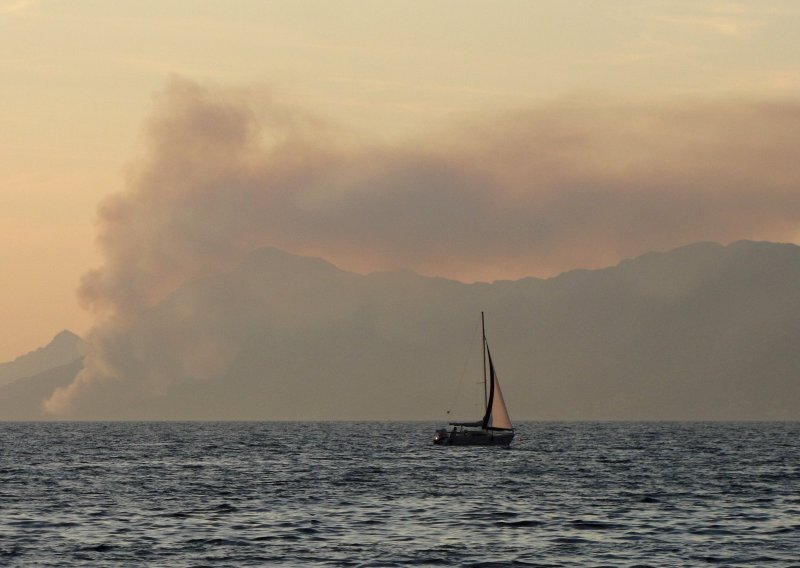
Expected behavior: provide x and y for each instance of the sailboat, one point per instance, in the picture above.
(495, 429)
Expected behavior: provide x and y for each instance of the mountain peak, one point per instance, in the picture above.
(64, 337)
(64, 348)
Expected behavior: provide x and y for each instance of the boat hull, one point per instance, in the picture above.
(473, 437)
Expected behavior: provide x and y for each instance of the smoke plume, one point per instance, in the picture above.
(575, 183)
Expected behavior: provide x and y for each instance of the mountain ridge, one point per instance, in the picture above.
(703, 332)
(64, 348)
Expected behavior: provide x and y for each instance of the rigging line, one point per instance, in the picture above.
(464, 368)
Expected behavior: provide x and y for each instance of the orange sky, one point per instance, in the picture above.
(78, 81)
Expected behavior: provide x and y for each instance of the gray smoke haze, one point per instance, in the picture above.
(576, 183)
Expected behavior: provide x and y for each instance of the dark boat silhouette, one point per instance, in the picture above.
(495, 429)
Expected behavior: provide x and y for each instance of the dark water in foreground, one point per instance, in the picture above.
(371, 494)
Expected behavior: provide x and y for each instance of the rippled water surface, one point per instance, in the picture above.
(375, 494)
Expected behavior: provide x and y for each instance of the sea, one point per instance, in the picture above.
(381, 494)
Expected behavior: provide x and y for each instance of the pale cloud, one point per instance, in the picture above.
(16, 6)
(732, 19)
(727, 19)
(645, 46)
(718, 24)
(778, 81)
(679, 32)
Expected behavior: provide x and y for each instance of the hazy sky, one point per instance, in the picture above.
(606, 98)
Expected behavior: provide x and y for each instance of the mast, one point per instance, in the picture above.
(483, 348)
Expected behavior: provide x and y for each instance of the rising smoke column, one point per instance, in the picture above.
(219, 179)
(575, 183)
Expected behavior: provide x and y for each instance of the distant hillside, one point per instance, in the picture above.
(22, 399)
(704, 332)
(62, 349)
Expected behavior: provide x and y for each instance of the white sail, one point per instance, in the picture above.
(498, 418)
